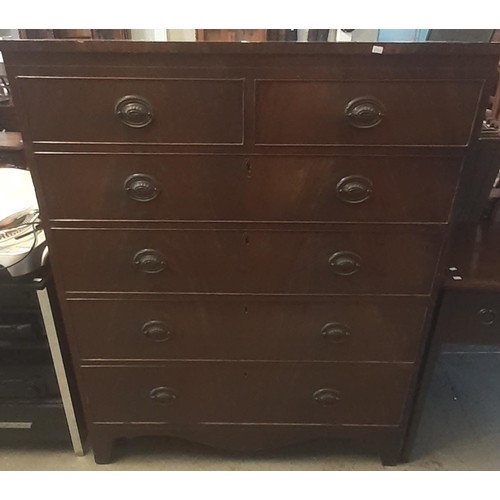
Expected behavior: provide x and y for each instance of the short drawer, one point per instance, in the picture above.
(467, 317)
(253, 261)
(134, 110)
(254, 188)
(253, 328)
(198, 392)
(420, 112)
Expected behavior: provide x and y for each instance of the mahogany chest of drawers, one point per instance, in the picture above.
(248, 238)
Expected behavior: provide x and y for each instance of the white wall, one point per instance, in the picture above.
(149, 35)
(181, 35)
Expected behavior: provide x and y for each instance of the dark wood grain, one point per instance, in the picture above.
(417, 113)
(278, 328)
(470, 317)
(244, 438)
(369, 394)
(249, 188)
(262, 239)
(474, 254)
(185, 111)
(248, 261)
(361, 48)
(470, 307)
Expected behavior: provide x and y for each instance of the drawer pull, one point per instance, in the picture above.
(326, 396)
(156, 331)
(345, 263)
(134, 111)
(354, 189)
(335, 332)
(141, 187)
(149, 261)
(487, 316)
(365, 112)
(163, 395)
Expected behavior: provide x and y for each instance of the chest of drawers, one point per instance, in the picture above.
(247, 239)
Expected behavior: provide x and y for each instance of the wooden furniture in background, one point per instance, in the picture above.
(282, 35)
(470, 310)
(100, 34)
(249, 254)
(470, 304)
(36, 34)
(111, 34)
(479, 177)
(469, 300)
(230, 35)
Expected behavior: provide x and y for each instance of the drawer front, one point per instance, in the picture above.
(255, 328)
(33, 421)
(197, 392)
(470, 318)
(23, 381)
(170, 111)
(223, 261)
(369, 112)
(256, 188)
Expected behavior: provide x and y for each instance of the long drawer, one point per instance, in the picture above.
(251, 328)
(197, 392)
(137, 110)
(254, 188)
(308, 112)
(254, 261)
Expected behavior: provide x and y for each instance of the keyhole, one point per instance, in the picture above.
(245, 374)
(246, 239)
(246, 309)
(248, 167)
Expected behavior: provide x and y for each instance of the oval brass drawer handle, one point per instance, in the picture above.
(155, 330)
(163, 395)
(354, 189)
(134, 111)
(326, 396)
(335, 332)
(149, 261)
(345, 263)
(141, 187)
(364, 112)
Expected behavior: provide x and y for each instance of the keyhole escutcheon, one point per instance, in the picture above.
(248, 168)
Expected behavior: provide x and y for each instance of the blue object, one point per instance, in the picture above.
(402, 35)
